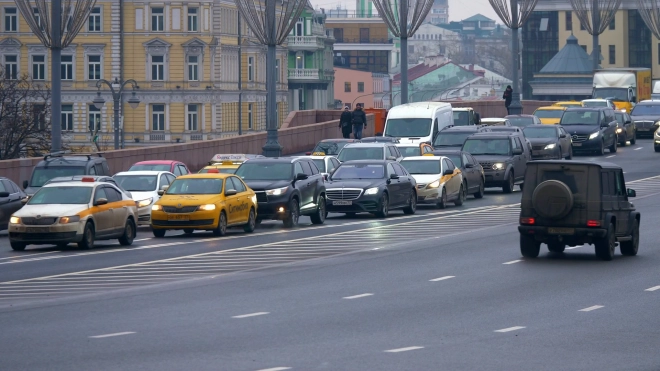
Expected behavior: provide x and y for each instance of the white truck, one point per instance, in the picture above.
(419, 122)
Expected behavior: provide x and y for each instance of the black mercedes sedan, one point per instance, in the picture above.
(371, 186)
(549, 142)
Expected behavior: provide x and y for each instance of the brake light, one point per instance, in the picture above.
(88, 180)
(593, 223)
(213, 171)
(527, 221)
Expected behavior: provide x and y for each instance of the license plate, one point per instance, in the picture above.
(561, 230)
(178, 218)
(577, 144)
(37, 229)
(643, 129)
(342, 203)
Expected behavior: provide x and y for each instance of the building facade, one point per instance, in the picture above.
(439, 13)
(361, 87)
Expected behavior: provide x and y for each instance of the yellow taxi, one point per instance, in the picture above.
(408, 150)
(209, 202)
(550, 115)
(227, 163)
(76, 211)
(569, 104)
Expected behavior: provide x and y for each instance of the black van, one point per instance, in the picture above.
(61, 164)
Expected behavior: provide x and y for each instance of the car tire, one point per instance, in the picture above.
(556, 247)
(126, 239)
(570, 153)
(384, 206)
(258, 221)
(623, 143)
(461, 195)
(17, 246)
(508, 186)
(158, 233)
(412, 204)
(188, 230)
(480, 192)
(605, 246)
(319, 216)
(633, 140)
(293, 216)
(629, 248)
(251, 223)
(529, 247)
(615, 145)
(601, 152)
(221, 229)
(87, 241)
(442, 201)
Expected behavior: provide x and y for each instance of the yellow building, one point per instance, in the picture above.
(184, 56)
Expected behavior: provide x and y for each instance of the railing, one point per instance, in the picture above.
(305, 41)
(341, 13)
(364, 41)
(317, 29)
(304, 73)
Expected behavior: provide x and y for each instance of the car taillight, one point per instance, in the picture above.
(527, 220)
(593, 223)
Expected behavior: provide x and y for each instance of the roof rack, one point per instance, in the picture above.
(63, 153)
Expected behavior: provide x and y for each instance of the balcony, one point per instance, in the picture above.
(307, 43)
(304, 74)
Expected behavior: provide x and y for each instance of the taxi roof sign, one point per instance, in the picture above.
(88, 179)
(318, 153)
(231, 159)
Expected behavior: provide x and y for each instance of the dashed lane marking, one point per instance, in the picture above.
(610, 156)
(399, 350)
(112, 335)
(512, 262)
(509, 329)
(275, 369)
(589, 309)
(441, 278)
(638, 148)
(357, 296)
(251, 315)
(654, 288)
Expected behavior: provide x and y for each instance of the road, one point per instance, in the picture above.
(441, 290)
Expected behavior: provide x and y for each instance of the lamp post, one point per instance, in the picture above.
(116, 89)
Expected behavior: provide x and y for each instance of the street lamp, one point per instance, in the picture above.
(116, 88)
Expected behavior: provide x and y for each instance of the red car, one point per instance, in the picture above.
(175, 167)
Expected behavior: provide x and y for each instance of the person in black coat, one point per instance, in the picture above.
(507, 96)
(359, 121)
(345, 123)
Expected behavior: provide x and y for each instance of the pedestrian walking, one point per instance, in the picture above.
(359, 121)
(507, 96)
(345, 123)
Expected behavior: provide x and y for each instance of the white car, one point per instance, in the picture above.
(495, 121)
(439, 180)
(598, 103)
(326, 164)
(144, 187)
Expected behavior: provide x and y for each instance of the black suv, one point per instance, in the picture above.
(573, 203)
(455, 136)
(286, 187)
(503, 156)
(591, 129)
(61, 164)
(646, 117)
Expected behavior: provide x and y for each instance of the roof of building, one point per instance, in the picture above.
(570, 59)
(478, 18)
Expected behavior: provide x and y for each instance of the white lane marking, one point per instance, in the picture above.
(357, 296)
(251, 315)
(28, 255)
(610, 156)
(654, 288)
(513, 262)
(112, 335)
(144, 239)
(441, 278)
(589, 309)
(275, 369)
(637, 149)
(403, 349)
(509, 329)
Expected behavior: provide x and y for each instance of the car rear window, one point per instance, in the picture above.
(574, 177)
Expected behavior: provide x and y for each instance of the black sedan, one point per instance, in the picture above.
(549, 142)
(626, 129)
(10, 200)
(473, 173)
(372, 186)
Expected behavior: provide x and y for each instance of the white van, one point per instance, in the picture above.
(419, 122)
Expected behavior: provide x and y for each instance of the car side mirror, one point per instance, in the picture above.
(628, 122)
(562, 135)
(448, 172)
(4, 194)
(165, 187)
(469, 166)
(25, 200)
(394, 176)
(25, 184)
(326, 177)
(517, 151)
(631, 192)
(161, 192)
(301, 176)
(230, 192)
(604, 124)
(101, 201)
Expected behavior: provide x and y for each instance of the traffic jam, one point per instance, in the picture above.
(428, 154)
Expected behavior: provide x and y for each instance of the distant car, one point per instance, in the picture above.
(408, 150)
(523, 120)
(599, 103)
(144, 187)
(473, 173)
(227, 163)
(10, 200)
(330, 147)
(455, 136)
(386, 139)
(97, 178)
(465, 116)
(506, 129)
(626, 130)
(370, 151)
(438, 179)
(64, 164)
(175, 167)
(550, 115)
(549, 142)
(325, 164)
(495, 121)
(569, 104)
(646, 117)
(591, 129)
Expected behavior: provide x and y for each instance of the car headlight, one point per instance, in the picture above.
(499, 166)
(209, 207)
(594, 135)
(623, 110)
(156, 208)
(619, 130)
(371, 191)
(435, 184)
(145, 202)
(254, 199)
(69, 219)
(277, 191)
(550, 146)
(15, 220)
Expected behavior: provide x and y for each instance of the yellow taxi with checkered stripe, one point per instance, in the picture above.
(74, 212)
(211, 201)
(439, 180)
(227, 163)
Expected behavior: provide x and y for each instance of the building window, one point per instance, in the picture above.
(11, 20)
(67, 67)
(67, 117)
(612, 25)
(94, 123)
(612, 54)
(157, 68)
(93, 67)
(347, 87)
(38, 67)
(569, 21)
(157, 19)
(193, 68)
(94, 20)
(250, 69)
(158, 117)
(193, 117)
(37, 17)
(360, 87)
(11, 67)
(192, 19)
(250, 116)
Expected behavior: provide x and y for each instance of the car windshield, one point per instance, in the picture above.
(361, 153)
(150, 167)
(408, 127)
(359, 171)
(646, 110)
(595, 104)
(195, 186)
(410, 151)
(619, 117)
(487, 146)
(220, 170)
(493, 122)
(617, 94)
(320, 164)
(329, 148)
(451, 139)
(549, 114)
(137, 183)
(461, 118)
(61, 195)
(422, 166)
(539, 132)
(265, 171)
(43, 174)
(521, 122)
(580, 118)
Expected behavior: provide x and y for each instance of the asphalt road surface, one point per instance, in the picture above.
(438, 290)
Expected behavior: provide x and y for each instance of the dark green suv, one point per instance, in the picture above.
(574, 203)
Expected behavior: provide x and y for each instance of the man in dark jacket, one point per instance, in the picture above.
(359, 121)
(507, 96)
(345, 123)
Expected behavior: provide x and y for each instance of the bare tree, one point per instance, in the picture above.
(595, 16)
(650, 12)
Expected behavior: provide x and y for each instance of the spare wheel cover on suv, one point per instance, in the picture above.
(552, 199)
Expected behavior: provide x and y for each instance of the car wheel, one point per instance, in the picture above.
(570, 153)
(556, 247)
(623, 143)
(129, 233)
(614, 145)
(87, 241)
(601, 152)
(633, 140)
(605, 246)
(221, 229)
(629, 248)
(258, 221)
(251, 223)
(412, 204)
(319, 216)
(508, 187)
(159, 233)
(461, 195)
(480, 192)
(17, 246)
(291, 219)
(188, 230)
(384, 206)
(529, 247)
(442, 202)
